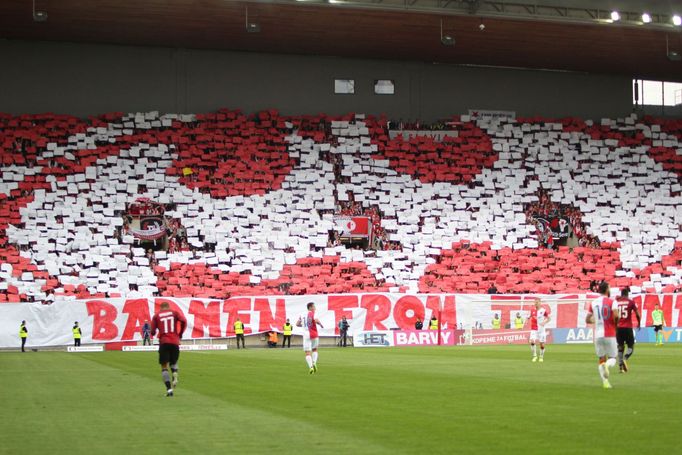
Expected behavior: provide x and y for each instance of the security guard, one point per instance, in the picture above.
(518, 322)
(76, 334)
(146, 334)
(496, 321)
(286, 332)
(433, 323)
(23, 334)
(239, 331)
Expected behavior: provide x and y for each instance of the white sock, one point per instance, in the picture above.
(315, 357)
(534, 350)
(601, 371)
(542, 352)
(611, 362)
(309, 361)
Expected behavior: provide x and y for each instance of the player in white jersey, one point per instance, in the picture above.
(310, 336)
(539, 317)
(603, 313)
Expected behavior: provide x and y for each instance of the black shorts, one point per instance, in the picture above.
(625, 336)
(658, 328)
(169, 353)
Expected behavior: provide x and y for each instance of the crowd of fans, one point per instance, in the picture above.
(228, 153)
(441, 125)
(547, 210)
(23, 141)
(175, 238)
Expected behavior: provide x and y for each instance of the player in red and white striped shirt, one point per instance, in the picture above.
(539, 317)
(603, 313)
(311, 338)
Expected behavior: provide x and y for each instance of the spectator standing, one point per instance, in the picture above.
(343, 331)
(492, 289)
(419, 324)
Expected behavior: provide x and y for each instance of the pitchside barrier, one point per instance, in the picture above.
(471, 337)
(85, 349)
(105, 321)
(183, 347)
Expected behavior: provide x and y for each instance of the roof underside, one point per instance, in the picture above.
(546, 37)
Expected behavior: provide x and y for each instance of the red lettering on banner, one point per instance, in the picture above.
(205, 315)
(402, 306)
(138, 312)
(449, 313)
(341, 305)
(506, 298)
(433, 304)
(667, 308)
(104, 314)
(640, 306)
(267, 321)
(650, 301)
(239, 307)
(378, 309)
(505, 313)
(567, 313)
(678, 305)
(505, 310)
(172, 305)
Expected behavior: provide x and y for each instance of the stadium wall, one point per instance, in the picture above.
(89, 79)
(663, 111)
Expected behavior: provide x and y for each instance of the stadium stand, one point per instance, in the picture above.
(247, 205)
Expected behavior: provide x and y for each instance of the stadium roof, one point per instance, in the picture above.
(543, 34)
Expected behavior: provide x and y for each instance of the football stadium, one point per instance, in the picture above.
(340, 226)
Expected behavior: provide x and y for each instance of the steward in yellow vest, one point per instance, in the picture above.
(433, 323)
(239, 331)
(286, 331)
(518, 322)
(76, 334)
(496, 322)
(23, 334)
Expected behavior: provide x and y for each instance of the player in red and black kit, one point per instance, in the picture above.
(171, 325)
(624, 334)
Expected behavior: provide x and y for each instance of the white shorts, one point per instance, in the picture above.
(606, 347)
(310, 344)
(538, 335)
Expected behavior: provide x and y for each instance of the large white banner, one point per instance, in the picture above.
(116, 320)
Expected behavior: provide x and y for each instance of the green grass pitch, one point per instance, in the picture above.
(401, 400)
